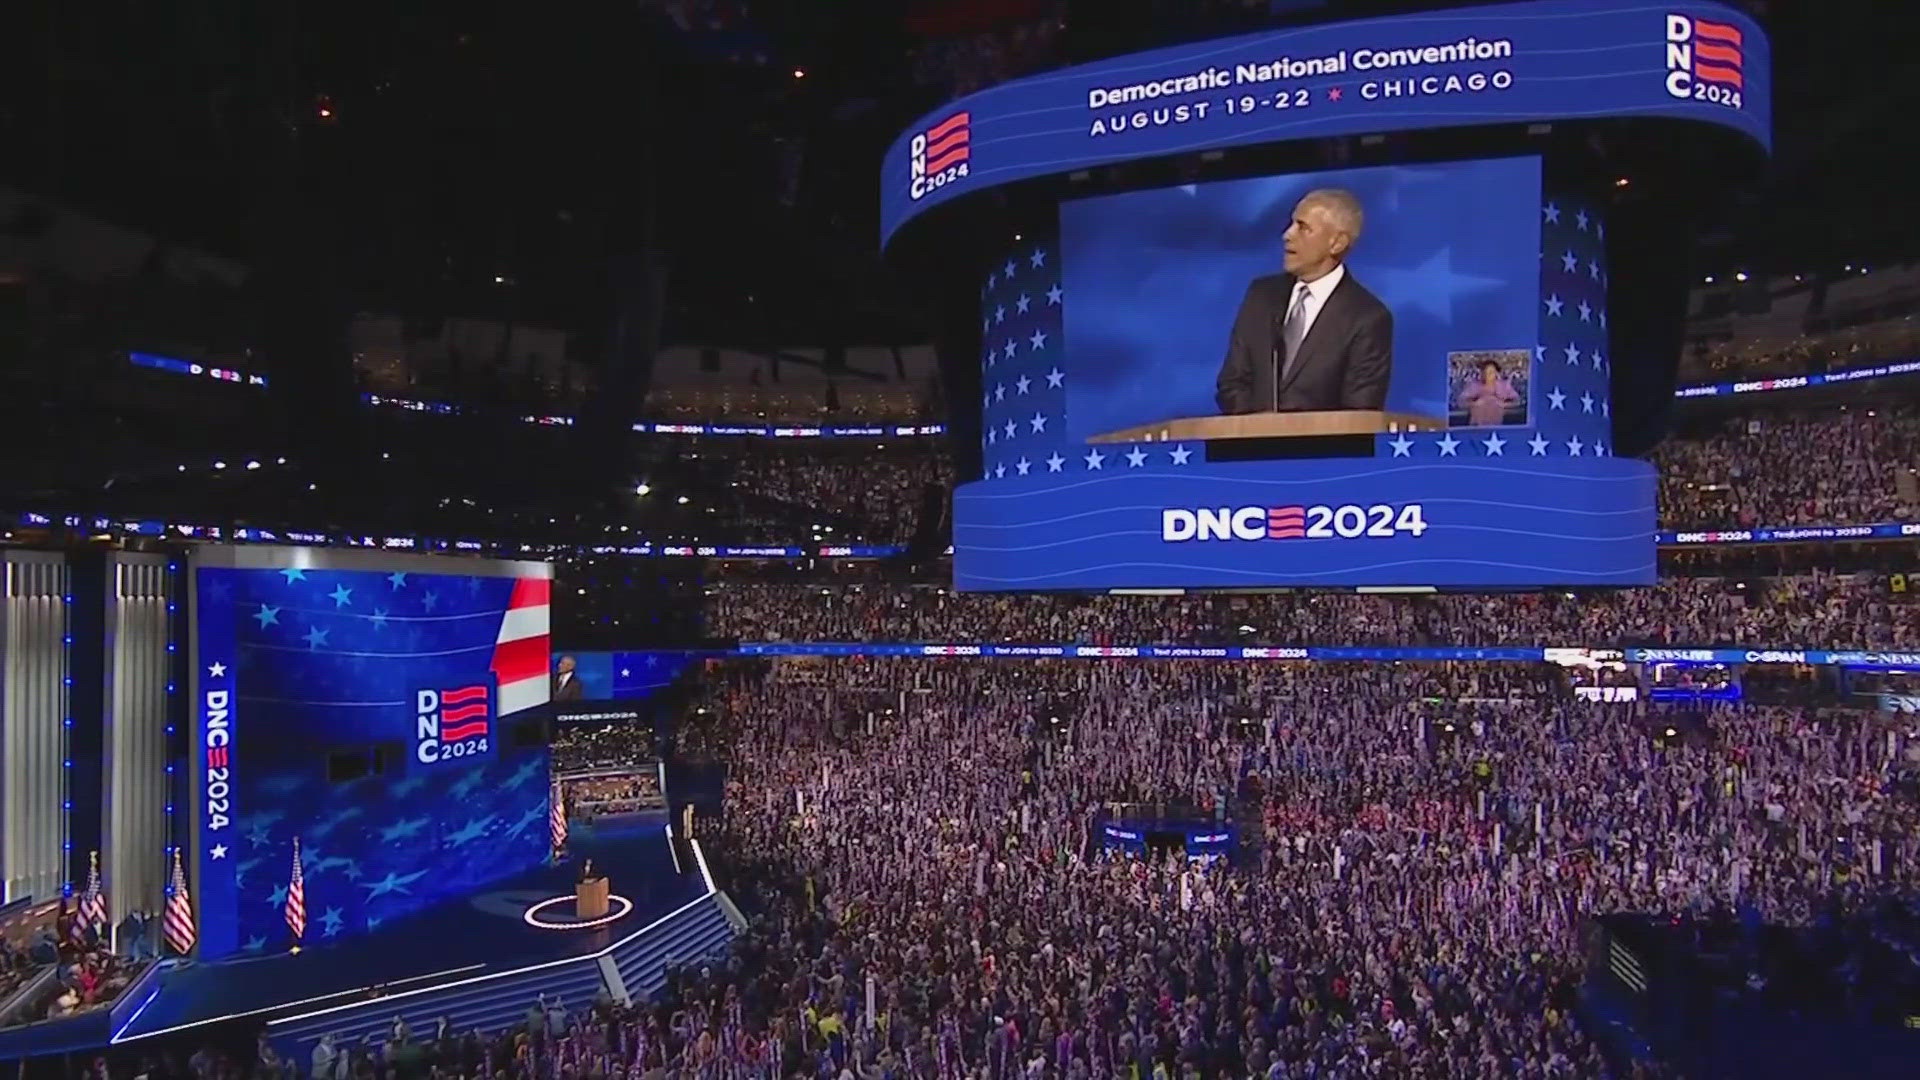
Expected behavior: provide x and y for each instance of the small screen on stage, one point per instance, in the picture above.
(1384, 376)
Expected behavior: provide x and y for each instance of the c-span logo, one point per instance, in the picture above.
(1706, 61)
(940, 155)
(452, 723)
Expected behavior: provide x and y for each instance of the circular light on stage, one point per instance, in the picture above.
(620, 907)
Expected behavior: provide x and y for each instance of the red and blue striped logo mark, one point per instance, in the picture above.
(463, 713)
(1286, 522)
(940, 155)
(1706, 61)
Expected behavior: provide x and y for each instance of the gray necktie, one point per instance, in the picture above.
(1295, 327)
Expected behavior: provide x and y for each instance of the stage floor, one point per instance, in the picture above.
(459, 939)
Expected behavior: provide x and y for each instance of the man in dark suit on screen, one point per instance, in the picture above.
(566, 684)
(1312, 338)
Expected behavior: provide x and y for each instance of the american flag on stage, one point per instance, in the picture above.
(179, 925)
(557, 819)
(297, 897)
(93, 903)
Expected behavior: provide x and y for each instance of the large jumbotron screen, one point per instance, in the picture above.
(1153, 306)
(1390, 375)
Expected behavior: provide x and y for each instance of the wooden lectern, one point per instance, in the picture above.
(590, 898)
(1274, 425)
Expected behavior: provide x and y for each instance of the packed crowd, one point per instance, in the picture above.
(1427, 845)
(878, 497)
(587, 747)
(625, 793)
(1881, 342)
(1808, 611)
(1755, 469)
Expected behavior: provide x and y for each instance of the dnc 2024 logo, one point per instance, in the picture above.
(940, 155)
(453, 723)
(1706, 61)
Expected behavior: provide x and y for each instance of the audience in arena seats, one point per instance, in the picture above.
(1798, 467)
(1423, 846)
(1421, 850)
(1837, 350)
(1812, 610)
(878, 496)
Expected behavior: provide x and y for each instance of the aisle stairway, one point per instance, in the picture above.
(633, 968)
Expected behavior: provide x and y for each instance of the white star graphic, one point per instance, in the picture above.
(1008, 348)
(216, 670)
(1586, 311)
(1556, 399)
(1593, 270)
(1552, 210)
(1603, 407)
(1054, 377)
(1054, 462)
(1012, 427)
(1022, 303)
(1496, 446)
(1448, 445)
(1539, 446)
(1038, 340)
(1598, 450)
(1569, 261)
(1598, 363)
(1021, 385)
(993, 435)
(1038, 259)
(1573, 353)
(1573, 446)
(1094, 458)
(1579, 218)
(1540, 354)
(991, 278)
(626, 673)
(999, 391)
(1136, 457)
(1401, 445)
(999, 472)
(1022, 466)
(1554, 304)
(1039, 423)
(1603, 318)
(1586, 403)
(219, 851)
(1009, 267)
(1053, 295)
(1000, 314)
(1180, 455)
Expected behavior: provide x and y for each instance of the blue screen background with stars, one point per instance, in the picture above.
(1157, 277)
(320, 661)
(1536, 504)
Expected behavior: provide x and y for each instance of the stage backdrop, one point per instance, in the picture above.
(373, 706)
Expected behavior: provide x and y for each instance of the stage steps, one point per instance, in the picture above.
(698, 934)
(495, 1002)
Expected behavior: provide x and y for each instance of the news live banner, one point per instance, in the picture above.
(1502, 64)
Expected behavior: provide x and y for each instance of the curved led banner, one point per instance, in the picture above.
(1550, 60)
(1340, 653)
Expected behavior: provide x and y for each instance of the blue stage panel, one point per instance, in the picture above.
(365, 705)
